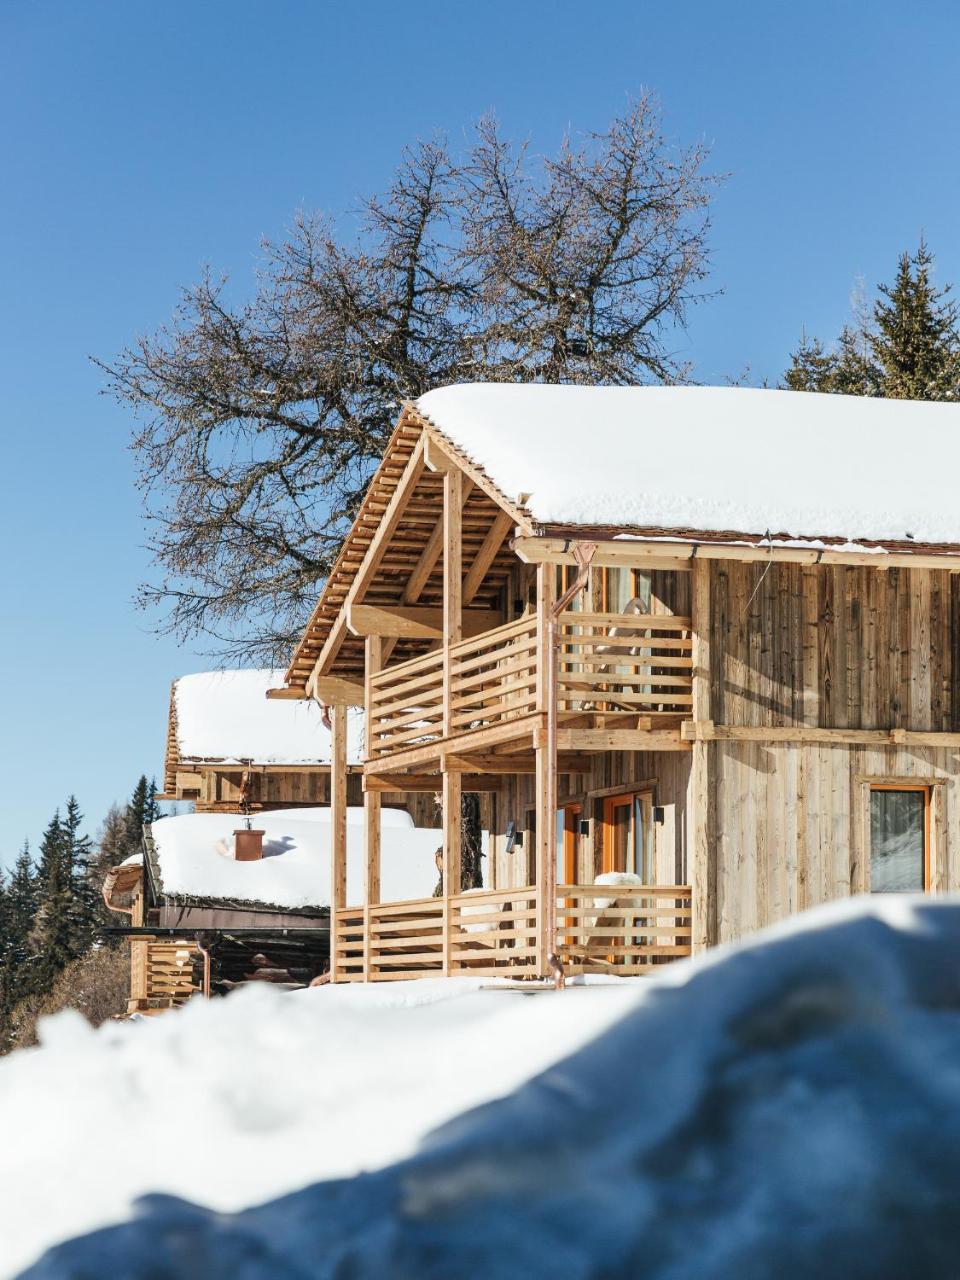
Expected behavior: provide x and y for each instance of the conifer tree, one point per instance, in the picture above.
(141, 811)
(905, 347)
(915, 342)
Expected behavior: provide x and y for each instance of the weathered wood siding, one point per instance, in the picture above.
(835, 647)
(669, 771)
(789, 825)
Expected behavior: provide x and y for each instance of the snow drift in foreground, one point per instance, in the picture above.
(789, 1108)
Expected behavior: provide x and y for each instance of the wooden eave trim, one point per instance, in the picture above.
(474, 472)
(667, 553)
(378, 489)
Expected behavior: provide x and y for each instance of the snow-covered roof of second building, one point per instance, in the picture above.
(194, 857)
(227, 716)
(719, 459)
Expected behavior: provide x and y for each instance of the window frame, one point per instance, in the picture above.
(630, 796)
(927, 790)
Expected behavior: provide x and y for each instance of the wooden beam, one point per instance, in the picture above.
(678, 555)
(700, 618)
(646, 555)
(620, 740)
(425, 565)
(373, 650)
(485, 557)
(333, 691)
(293, 693)
(435, 457)
(451, 804)
(452, 583)
(338, 828)
(512, 764)
(414, 783)
(416, 623)
(371, 560)
(707, 731)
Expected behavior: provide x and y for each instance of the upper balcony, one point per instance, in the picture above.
(615, 671)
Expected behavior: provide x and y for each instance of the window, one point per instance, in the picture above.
(568, 843)
(899, 839)
(628, 834)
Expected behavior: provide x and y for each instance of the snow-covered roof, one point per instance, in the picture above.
(226, 716)
(194, 856)
(715, 459)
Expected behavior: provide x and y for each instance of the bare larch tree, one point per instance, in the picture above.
(260, 424)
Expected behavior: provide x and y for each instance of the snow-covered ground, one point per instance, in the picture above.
(789, 1108)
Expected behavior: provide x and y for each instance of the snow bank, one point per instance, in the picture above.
(791, 1108)
(194, 856)
(227, 716)
(711, 458)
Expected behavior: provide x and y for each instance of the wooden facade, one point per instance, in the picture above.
(712, 713)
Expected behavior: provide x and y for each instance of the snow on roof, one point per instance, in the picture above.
(713, 458)
(812, 1067)
(194, 857)
(227, 716)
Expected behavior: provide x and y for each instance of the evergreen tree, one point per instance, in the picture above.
(22, 907)
(141, 811)
(916, 342)
(905, 347)
(55, 932)
(81, 876)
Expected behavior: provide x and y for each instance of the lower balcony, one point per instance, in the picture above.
(612, 929)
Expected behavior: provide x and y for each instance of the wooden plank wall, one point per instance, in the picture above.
(611, 770)
(835, 647)
(790, 825)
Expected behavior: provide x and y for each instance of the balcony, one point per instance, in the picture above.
(498, 933)
(636, 669)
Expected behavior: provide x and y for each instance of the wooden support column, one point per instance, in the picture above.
(545, 774)
(701, 855)
(371, 810)
(452, 634)
(451, 798)
(338, 827)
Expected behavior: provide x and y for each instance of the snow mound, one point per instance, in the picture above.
(194, 856)
(788, 1108)
(710, 458)
(226, 716)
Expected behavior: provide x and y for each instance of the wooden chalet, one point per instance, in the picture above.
(229, 749)
(701, 644)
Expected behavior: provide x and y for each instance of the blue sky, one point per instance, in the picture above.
(141, 140)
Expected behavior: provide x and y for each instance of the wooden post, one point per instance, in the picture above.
(703, 904)
(545, 776)
(451, 855)
(371, 809)
(338, 828)
(452, 634)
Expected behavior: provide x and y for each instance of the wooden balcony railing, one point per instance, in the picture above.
(608, 662)
(493, 933)
(624, 662)
(492, 676)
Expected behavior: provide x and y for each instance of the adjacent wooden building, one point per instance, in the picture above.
(700, 643)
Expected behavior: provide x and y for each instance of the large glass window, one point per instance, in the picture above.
(628, 835)
(899, 839)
